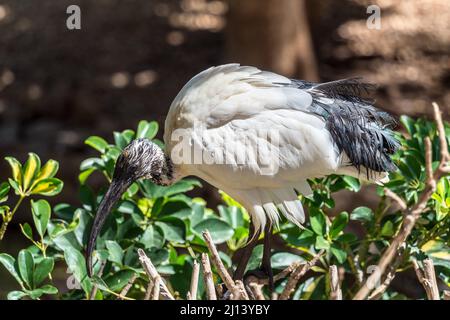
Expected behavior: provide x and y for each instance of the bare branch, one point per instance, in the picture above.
(390, 275)
(127, 288)
(149, 291)
(427, 278)
(446, 295)
(207, 276)
(257, 290)
(335, 288)
(243, 295)
(153, 275)
(396, 198)
(223, 273)
(156, 288)
(296, 275)
(194, 281)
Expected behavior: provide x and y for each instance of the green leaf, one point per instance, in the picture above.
(173, 229)
(115, 251)
(232, 215)
(49, 289)
(338, 224)
(16, 295)
(147, 129)
(255, 258)
(362, 214)
(26, 264)
(43, 269)
(220, 230)
(124, 138)
(10, 264)
(97, 143)
(353, 184)
(388, 229)
(322, 243)
(152, 237)
(318, 222)
(17, 188)
(41, 215)
(4, 190)
(16, 168)
(48, 187)
(340, 254)
(30, 170)
(281, 260)
(77, 264)
(119, 279)
(27, 231)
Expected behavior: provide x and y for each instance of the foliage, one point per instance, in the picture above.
(167, 224)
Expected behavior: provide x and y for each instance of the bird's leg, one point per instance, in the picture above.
(246, 254)
(266, 265)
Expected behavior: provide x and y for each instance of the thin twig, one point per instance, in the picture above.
(149, 291)
(427, 278)
(411, 215)
(127, 288)
(257, 290)
(390, 275)
(94, 289)
(208, 278)
(156, 288)
(153, 274)
(297, 274)
(194, 281)
(396, 198)
(243, 295)
(446, 295)
(335, 288)
(223, 273)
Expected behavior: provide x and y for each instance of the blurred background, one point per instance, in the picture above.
(130, 59)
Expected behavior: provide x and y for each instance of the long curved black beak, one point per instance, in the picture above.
(115, 190)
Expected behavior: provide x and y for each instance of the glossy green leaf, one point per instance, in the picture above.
(152, 237)
(43, 269)
(388, 229)
(27, 231)
(97, 143)
(281, 260)
(318, 222)
(147, 129)
(16, 295)
(339, 253)
(25, 264)
(41, 215)
(220, 230)
(173, 229)
(338, 224)
(4, 190)
(115, 251)
(10, 264)
(362, 214)
(322, 243)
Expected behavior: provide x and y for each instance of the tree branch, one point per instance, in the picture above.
(208, 279)
(427, 278)
(153, 275)
(335, 288)
(194, 281)
(296, 275)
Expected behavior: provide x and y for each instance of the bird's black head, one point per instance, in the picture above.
(140, 159)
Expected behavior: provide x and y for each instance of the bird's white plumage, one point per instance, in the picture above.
(240, 104)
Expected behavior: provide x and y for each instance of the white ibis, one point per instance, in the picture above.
(259, 136)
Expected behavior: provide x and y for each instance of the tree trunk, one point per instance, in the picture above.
(272, 35)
